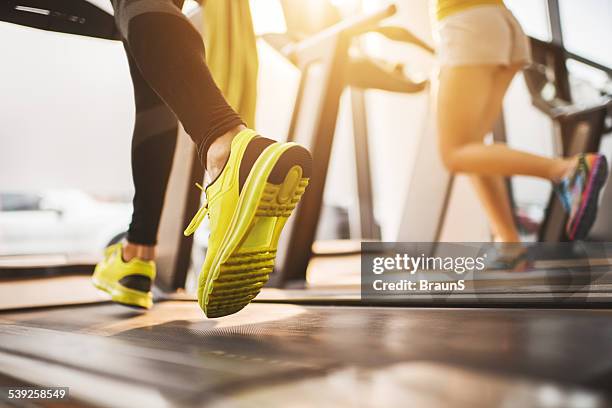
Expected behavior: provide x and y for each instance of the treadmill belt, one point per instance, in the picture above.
(268, 352)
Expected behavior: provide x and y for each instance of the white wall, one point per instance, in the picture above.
(66, 113)
(397, 121)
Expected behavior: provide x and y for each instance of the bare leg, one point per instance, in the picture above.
(218, 153)
(469, 101)
(492, 190)
(462, 103)
(144, 252)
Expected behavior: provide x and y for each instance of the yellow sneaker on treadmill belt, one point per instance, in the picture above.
(248, 205)
(128, 283)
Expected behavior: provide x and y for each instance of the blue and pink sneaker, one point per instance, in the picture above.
(579, 194)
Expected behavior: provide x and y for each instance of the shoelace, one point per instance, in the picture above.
(198, 217)
(562, 190)
(571, 187)
(111, 249)
(579, 181)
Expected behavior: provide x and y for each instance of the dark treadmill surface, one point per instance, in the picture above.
(271, 352)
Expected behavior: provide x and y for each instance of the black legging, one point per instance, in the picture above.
(171, 80)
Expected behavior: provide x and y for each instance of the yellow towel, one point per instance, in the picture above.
(231, 53)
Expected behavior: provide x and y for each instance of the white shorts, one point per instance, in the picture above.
(482, 35)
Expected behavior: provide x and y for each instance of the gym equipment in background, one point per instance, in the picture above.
(62, 16)
(319, 47)
(579, 125)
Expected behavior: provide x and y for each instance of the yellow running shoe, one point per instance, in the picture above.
(128, 283)
(248, 205)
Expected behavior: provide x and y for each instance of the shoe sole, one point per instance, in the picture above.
(123, 296)
(246, 256)
(588, 212)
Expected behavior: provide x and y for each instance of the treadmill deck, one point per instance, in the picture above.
(269, 354)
